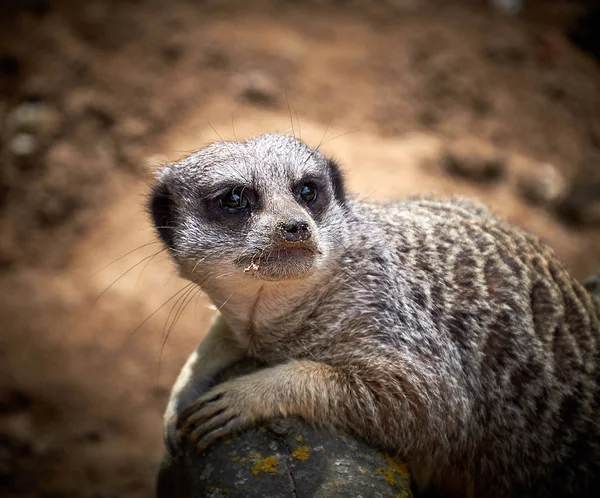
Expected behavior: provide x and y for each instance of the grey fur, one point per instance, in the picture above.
(456, 341)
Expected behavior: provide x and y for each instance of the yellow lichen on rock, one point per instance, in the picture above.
(398, 467)
(395, 471)
(388, 475)
(302, 453)
(268, 464)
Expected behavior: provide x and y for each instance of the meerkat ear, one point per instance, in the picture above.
(337, 181)
(162, 211)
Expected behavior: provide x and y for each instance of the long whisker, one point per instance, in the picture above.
(315, 150)
(226, 145)
(173, 312)
(146, 266)
(339, 135)
(233, 129)
(290, 113)
(226, 301)
(149, 317)
(183, 306)
(123, 274)
(125, 255)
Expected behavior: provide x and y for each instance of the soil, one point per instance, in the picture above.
(410, 95)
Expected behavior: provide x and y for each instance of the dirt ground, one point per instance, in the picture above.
(410, 95)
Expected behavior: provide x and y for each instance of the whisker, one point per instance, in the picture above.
(226, 145)
(339, 135)
(146, 266)
(226, 301)
(125, 255)
(149, 317)
(166, 337)
(315, 150)
(172, 311)
(123, 274)
(298, 121)
(290, 113)
(233, 129)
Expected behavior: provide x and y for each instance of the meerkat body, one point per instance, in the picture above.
(429, 328)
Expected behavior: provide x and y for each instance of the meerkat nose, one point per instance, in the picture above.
(295, 230)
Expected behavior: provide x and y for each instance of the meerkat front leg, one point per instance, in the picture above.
(314, 391)
(217, 351)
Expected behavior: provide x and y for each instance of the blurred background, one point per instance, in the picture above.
(494, 99)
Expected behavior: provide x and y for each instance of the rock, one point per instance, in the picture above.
(24, 144)
(85, 103)
(284, 458)
(63, 155)
(133, 128)
(474, 160)
(37, 118)
(542, 186)
(511, 7)
(581, 204)
(214, 57)
(257, 88)
(505, 49)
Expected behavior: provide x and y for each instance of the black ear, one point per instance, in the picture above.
(337, 181)
(162, 211)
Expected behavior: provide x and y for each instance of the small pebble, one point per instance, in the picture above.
(581, 203)
(474, 160)
(542, 186)
(258, 88)
(24, 144)
(38, 118)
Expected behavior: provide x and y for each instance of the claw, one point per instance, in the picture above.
(220, 432)
(216, 414)
(214, 426)
(201, 417)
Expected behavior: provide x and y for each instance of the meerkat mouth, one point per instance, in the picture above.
(282, 256)
(287, 254)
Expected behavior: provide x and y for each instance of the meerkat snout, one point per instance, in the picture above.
(295, 231)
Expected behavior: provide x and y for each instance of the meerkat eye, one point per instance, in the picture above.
(234, 200)
(308, 192)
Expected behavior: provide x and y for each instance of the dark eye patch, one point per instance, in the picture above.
(313, 193)
(228, 204)
(234, 200)
(162, 210)
(337, 181)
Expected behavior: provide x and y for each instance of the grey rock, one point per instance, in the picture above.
(284, 458)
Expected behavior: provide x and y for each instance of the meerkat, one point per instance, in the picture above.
(429, 328)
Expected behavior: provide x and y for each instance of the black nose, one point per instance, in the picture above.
(295, 230)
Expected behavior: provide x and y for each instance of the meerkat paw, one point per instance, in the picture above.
(226, 409)
(182, 398)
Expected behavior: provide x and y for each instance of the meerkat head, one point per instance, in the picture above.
(269, 208)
